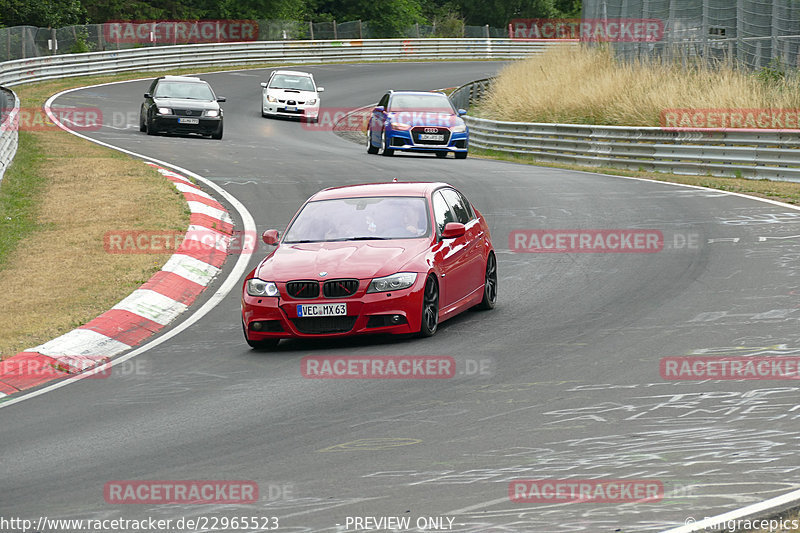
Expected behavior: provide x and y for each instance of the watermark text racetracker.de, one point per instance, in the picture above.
(686, 368)
(595, 30)
(394, 367)
(35, 119)
(197, 238)
(585, 490)
(686, 119)
(180, 31)
(586, 240)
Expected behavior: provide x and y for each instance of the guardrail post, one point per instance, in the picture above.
(335, 32)
(739, 32)
(360, 32)
(311, 29)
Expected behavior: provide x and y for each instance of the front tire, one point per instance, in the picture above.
(217, 134)
(149, 127)
(461, 155)
(142, 125)
(370, 149)
(441, 155)
(430, 308)
(388, 152)
(489, 285)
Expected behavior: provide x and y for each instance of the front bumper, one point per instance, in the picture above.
(173, 124)
(282, 110)
(397, 312)
(403, 141)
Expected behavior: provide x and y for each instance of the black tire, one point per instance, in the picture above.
(388, 152)
(461, 155)
(217, 134)
(430, 308)
(441, 155)
(489, 285)
(149, 127)
(370, 149)
(142, 125)
(266, 345)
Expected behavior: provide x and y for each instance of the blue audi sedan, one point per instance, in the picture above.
(417, 121)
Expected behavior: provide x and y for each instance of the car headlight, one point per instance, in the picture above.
(395, 282)
(259, 287)
(461, 128)
(211, 112)
(271, 99)
(164, 111)
(312, 101)
(401, 126)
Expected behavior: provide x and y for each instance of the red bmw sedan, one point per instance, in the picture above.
(379, 258)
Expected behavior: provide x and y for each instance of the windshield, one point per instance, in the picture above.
(186, 90)
(394, 217)
(438, 103)
(298, 83)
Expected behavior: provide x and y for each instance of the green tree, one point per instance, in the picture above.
(498, 13)
(388, 18)
(41, 13)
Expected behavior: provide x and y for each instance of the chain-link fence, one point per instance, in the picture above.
(749, 33)
(22, 42)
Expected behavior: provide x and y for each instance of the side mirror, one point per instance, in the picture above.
(462, 112)
(270, 237)
(148, 95)
(379, 109)
(453, 230)
(220, 99)
(264, 84)
(320, 89)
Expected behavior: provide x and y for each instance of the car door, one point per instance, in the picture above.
(474, 238)
(377, 121)
(451, 256)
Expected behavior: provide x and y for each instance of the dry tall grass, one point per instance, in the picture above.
(587, 86)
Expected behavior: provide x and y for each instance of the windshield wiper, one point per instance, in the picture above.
(364, 239)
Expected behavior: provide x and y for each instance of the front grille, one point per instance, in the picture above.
(324, 324)
(415, 133)
(339, 288)
(302, 289)
(188, 112)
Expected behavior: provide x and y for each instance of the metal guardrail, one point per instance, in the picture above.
(233, 54)
(470, 93)
(9, 134)
(750, 154)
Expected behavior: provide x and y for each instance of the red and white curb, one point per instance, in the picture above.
(144, 312)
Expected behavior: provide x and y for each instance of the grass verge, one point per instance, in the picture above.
(583, 85)
(57, 200)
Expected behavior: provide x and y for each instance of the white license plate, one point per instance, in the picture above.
(430, 137)
(188, 121)
(291, 108)
(311, 310)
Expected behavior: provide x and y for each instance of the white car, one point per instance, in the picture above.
(289, 93)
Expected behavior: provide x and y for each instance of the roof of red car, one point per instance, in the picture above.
(399, 188)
